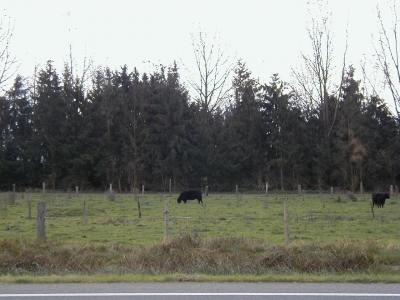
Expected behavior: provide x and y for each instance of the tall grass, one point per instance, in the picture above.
(190, 254)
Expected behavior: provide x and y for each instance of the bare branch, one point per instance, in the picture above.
(313, 84)
(8, 62)
(213, 70)
(388, 55)
(339, 90)
(86, 69)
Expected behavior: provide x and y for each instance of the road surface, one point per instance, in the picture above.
(199, 291)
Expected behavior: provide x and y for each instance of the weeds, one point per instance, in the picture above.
(351, 195)
(189, 254)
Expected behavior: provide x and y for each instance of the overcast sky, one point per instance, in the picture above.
(267, 34)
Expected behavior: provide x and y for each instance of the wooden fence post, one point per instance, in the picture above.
(266, 188)
(76, 191)
(111, 194)
(30, 207)
(13, 196)
(372, 209)
(299, 189)
(206, 190)
(84, 209)
(40, 221)
(138, 204)
(166, 221)
(286, 222)
(237, 190)
(361, 188)
(142, 189)
(170, 186)
(391, 190)
(5, 197)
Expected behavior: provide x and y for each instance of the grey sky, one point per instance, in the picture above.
(267, 34)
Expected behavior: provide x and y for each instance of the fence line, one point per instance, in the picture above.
(255, 216)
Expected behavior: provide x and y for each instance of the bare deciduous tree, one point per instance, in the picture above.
(313, 83)
(72, 65)
(387, 52)
(8, 62)
(318, 86)
(214, 67)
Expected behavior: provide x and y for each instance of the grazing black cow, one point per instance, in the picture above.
(378, 199)
(190, 195)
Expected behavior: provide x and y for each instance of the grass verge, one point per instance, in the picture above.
(190, 258)
(128, 278)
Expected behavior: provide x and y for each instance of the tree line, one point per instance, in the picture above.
(131, 129)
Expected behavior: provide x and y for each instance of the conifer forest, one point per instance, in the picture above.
(131, 129)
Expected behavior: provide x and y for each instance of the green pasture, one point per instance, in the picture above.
(312, 218)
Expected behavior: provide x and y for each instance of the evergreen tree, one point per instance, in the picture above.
(102, 112)
(381, 143)
(245, 136)
(21, 130)
(283, 124)
(131, 94)
(177, 129)
(130, 130)
(350, 151)
(78, 142)
(5, 138)
(50, 120)
(168, 136)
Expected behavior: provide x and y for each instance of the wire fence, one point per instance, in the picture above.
(140, 219)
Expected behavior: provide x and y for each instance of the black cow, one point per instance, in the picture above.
(190, 195)
(378, 199)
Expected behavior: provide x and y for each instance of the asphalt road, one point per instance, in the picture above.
(199, 291)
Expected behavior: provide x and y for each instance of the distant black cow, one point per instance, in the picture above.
(190, 195)
(378, 199)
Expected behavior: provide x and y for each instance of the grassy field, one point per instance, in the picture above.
(248, 224)
(311, 218)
